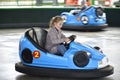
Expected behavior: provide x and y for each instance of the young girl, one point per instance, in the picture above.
(55, 37)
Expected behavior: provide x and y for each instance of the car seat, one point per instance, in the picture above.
(37, 36)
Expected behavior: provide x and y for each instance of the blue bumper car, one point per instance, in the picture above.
(79, 61)
(91, 18)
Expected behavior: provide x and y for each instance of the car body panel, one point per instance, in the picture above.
(73, 20)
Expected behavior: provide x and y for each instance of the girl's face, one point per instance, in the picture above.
(59, 24)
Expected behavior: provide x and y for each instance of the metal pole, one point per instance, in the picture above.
(55, 2)
(39, 2)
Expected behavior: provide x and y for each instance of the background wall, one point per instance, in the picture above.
(28, 17)
(113, 16)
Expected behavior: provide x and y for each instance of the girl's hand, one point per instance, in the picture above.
(66, 39)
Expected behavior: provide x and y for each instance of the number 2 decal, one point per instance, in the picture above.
(36, 54)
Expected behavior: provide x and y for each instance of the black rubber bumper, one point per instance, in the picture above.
(64, 73)
(86, 27)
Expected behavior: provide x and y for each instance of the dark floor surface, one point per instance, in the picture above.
(108, 40)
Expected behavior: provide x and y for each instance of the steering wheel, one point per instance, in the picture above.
(72, 38)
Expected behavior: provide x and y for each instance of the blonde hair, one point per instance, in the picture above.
(55, 19)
